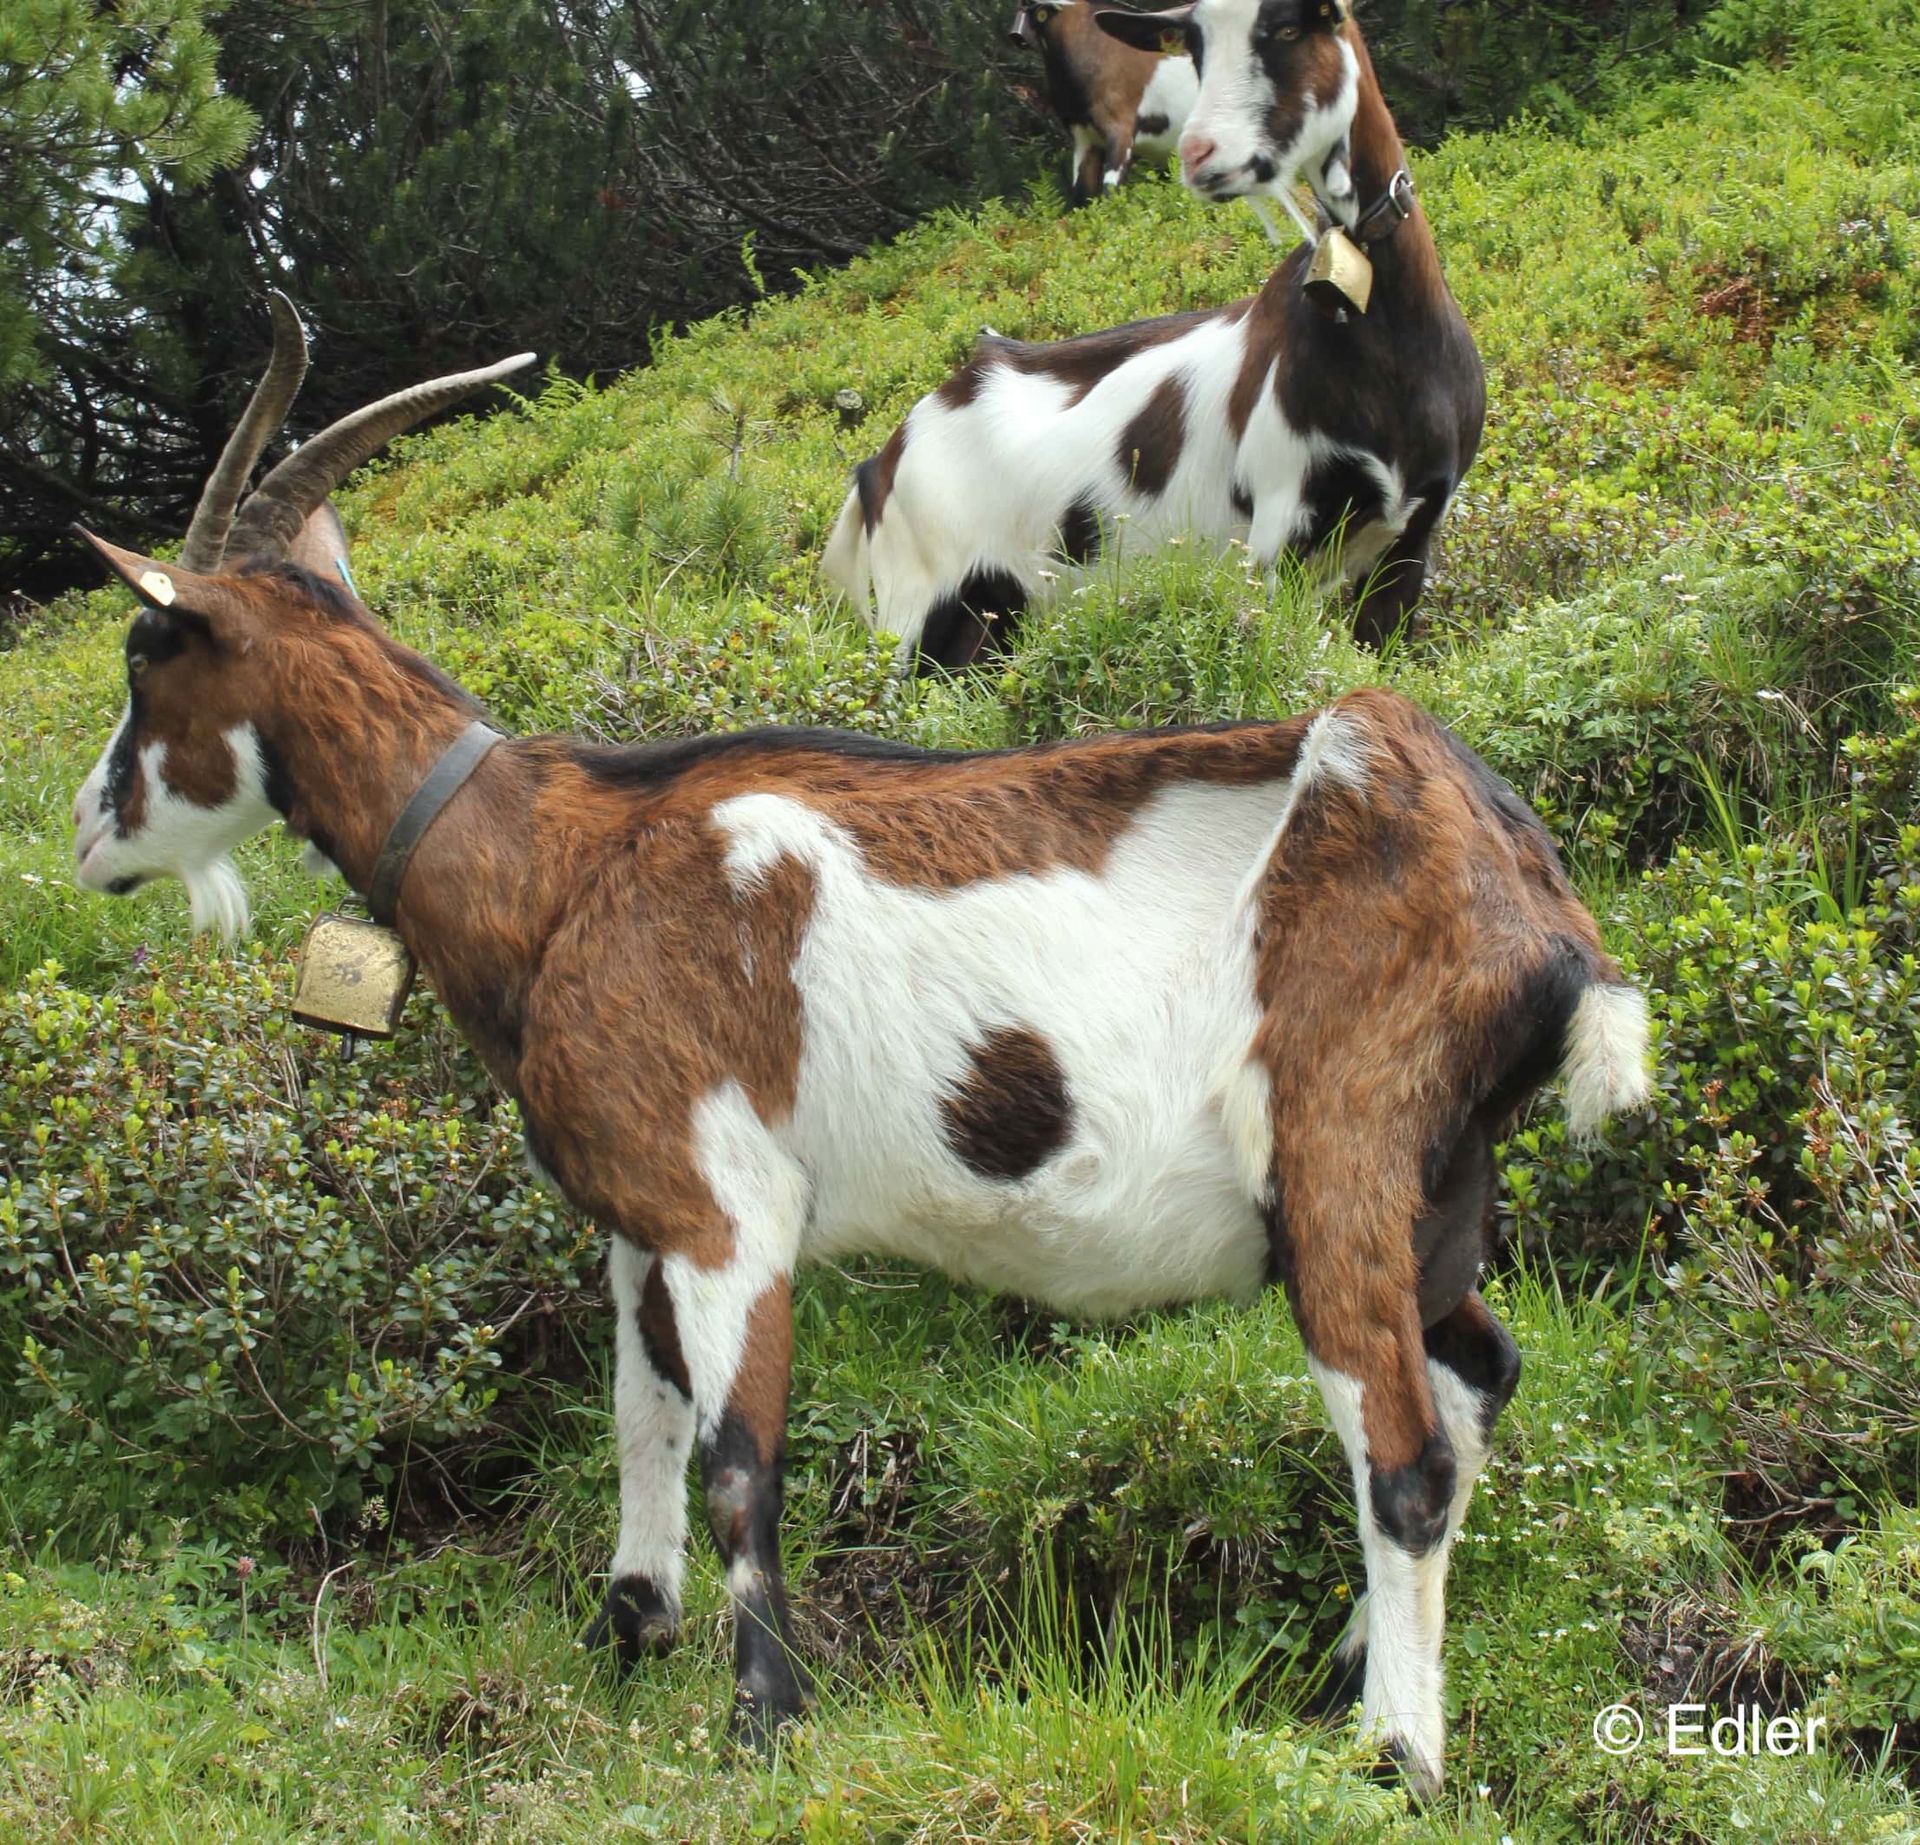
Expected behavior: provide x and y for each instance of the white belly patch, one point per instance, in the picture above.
(1139, 981)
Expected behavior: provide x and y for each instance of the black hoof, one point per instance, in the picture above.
(756, 1723)
(635, 1622)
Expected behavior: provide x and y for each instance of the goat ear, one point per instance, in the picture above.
(1146, 31)
(166, 587)
(321, 546)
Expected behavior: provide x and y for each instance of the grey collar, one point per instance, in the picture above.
(444, 780)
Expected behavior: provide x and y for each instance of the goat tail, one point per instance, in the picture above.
(1604, 1065)
(847, 562)
(1572, 1013)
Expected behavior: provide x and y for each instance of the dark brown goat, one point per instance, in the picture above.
(1115, 101)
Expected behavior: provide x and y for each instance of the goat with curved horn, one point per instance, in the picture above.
(205, 545)
(275, 511)
(270, 524)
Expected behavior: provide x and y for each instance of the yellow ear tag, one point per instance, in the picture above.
(158, 585)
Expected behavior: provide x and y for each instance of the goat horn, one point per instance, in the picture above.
(278, 507)
(206, 542)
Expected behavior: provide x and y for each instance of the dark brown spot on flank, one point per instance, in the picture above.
(1010, 1114)
(873, 478)
(1080, 533)
(1150, 445)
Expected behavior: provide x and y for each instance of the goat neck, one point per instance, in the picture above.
(1402, 251)
(361, 725)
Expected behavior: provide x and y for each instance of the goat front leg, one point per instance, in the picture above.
(653, 1429)
(1086, 165)
(1385, 599)
(743, 1463)
(735, 1320)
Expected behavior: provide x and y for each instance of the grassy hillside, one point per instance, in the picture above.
(307, 1472)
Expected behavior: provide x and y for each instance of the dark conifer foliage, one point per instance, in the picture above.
(439, 183)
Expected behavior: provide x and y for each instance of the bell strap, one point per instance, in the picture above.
(444, 780)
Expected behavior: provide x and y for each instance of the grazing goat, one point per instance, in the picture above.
(1111, 1023)
(1115, 101)
(1337, 437)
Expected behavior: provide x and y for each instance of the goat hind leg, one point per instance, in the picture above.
(1367, 1355)
(1473, 1368)
(653, 1427)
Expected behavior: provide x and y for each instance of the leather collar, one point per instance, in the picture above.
(444, 780)
(1388, 212)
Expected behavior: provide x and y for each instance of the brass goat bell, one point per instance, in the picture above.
(1340, 275)
(354, 977)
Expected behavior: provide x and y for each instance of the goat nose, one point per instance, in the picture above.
(1195, 152)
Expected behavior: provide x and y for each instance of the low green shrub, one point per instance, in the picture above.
(1847, 1621)
(1777, 1172)
(240, 1274)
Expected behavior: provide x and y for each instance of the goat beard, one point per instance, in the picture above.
(217, 895)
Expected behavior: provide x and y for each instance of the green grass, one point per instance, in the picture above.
(399, 1688)
(1067, 1583)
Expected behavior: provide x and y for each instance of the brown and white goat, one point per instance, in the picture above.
(1110, 1023)
(289, 518)
(1114, 100)
(1269, 420)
